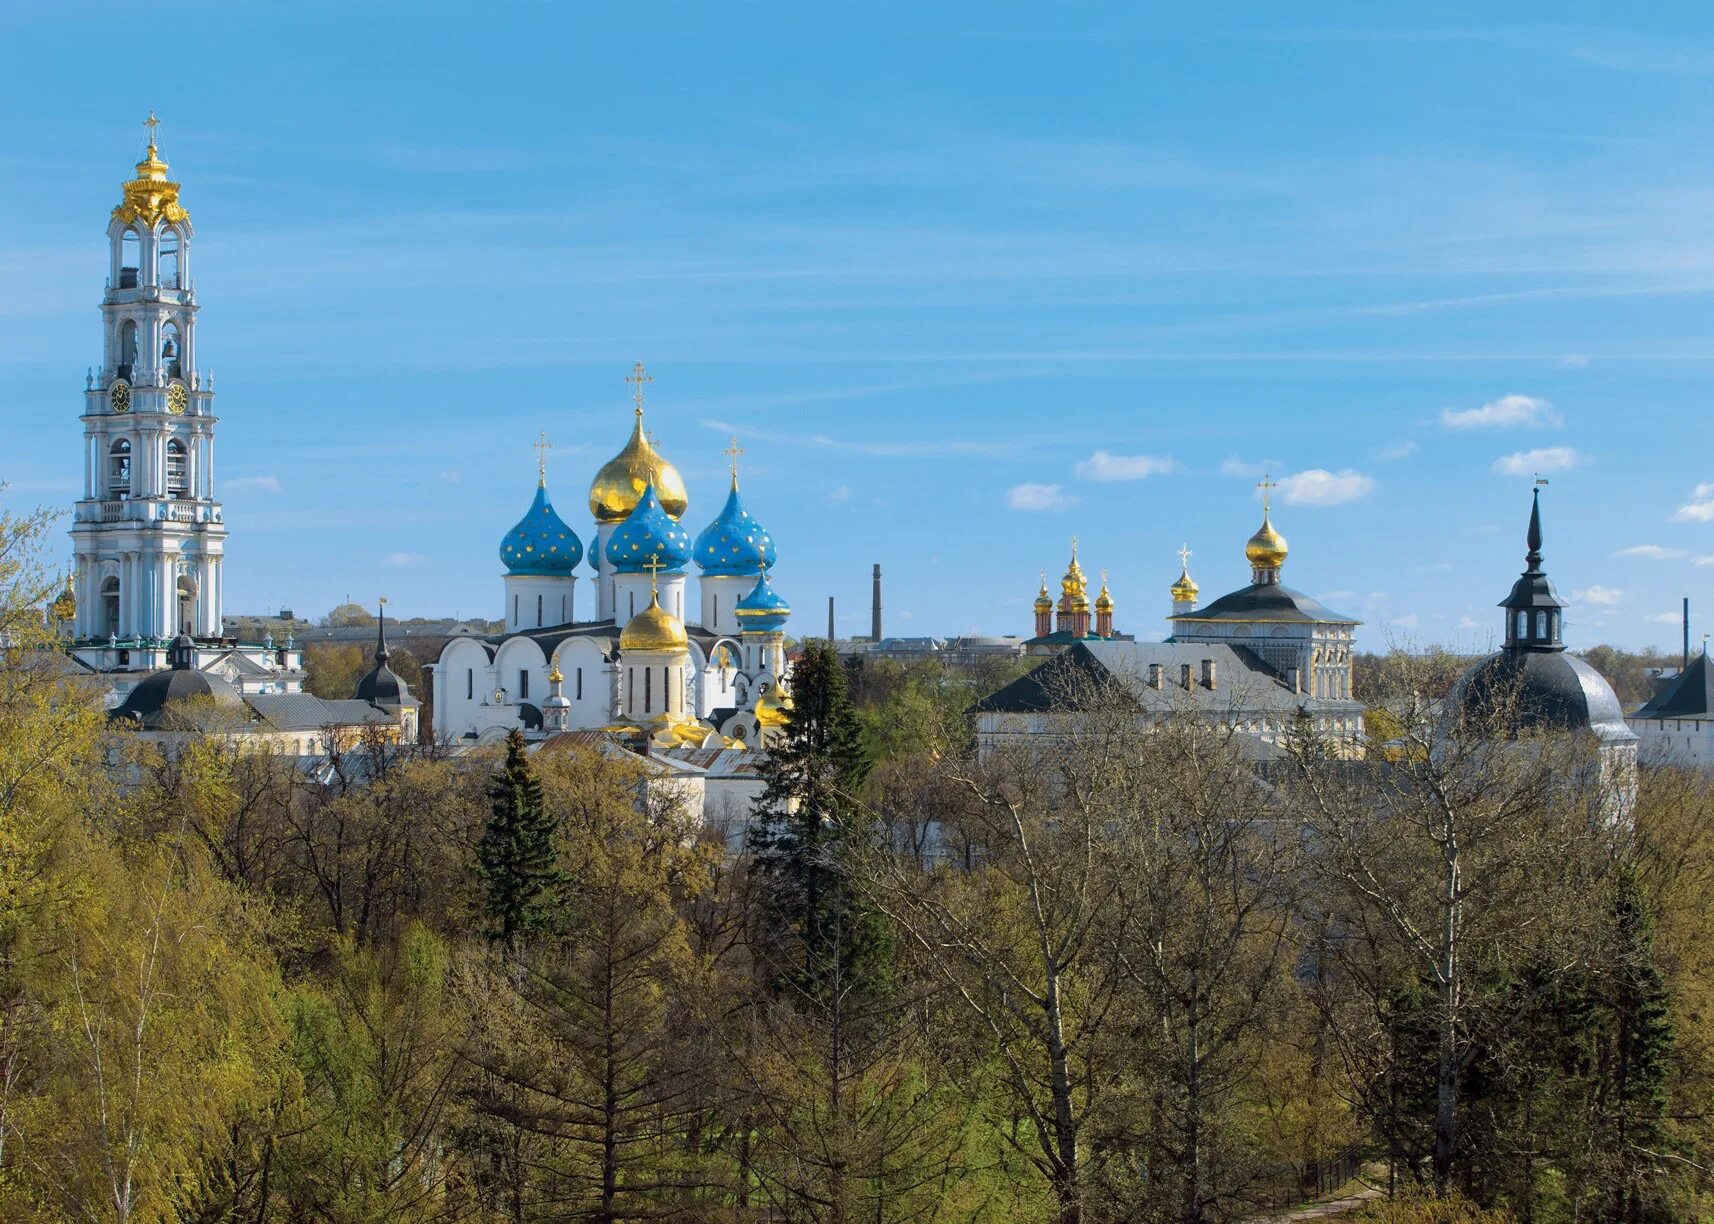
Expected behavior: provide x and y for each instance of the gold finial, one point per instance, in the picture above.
(555, 676)
(637, 377)
(1267, 484)
(1074, 550)
(382, 602)
(542, 446)
(151, 123)
(653, 565)
(732, 452)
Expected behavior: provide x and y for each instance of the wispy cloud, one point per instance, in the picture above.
(403, 560)
(1508, 410)
(1665, 618)
(1234, 466)
(1038, 497)
(1466, 625)
(1106, 466)
(925, 448)
(839, 496)
(1396, 450)
(450, 477)
(1319, 487)
(1703, 559)
(1543, 459)
(1700, 507)
(252, 484)
(1652, 552)
(1605, 596)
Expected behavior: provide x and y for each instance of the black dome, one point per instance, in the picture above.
(1547, 689)
(147, 703)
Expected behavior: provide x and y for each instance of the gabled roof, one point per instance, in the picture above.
(1268, 601)
(1689, 695)
(307, 712)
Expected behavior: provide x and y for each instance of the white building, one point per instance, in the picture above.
(148, 535)
(650, 656)
(1676, 725)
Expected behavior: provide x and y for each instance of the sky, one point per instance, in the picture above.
(965, 279)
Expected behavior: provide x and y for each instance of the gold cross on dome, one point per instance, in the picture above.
(151, 123)
(637, 377)
(1184, 556)
(732, 452)
(542, 446)
(653, 565)
(1267, 484)
(1074, 548)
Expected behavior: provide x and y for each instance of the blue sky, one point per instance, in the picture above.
(966, 279)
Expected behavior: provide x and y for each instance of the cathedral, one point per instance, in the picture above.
(148, 534)
(653, 659)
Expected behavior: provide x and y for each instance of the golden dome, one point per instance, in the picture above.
(65, 605)
(556, 676)
(1103, 601)
(773, 707)
(618, 487)
(1044, 601)
(151, 197)
(653, 629)
(1267, 548)
(1074, 587)
(1185, 589)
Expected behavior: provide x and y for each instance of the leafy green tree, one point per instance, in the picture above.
(519, 862)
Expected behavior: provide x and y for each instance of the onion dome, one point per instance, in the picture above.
(1185, 589)
(540, 543)
(619, 486)
(763, 609)
(734, 544)
(1103, 601)
(1267, 548)
(382, 686)
(557, 699)
(773, 707)
(1044, 601)
(654, 629)
(649, 533)
(1074, 587)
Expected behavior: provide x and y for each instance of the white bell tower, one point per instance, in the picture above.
(148, 536)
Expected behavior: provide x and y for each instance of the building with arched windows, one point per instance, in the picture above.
(148, 534)
(643, 654)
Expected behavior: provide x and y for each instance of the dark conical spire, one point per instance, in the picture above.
(382, 654)
(1533, 557)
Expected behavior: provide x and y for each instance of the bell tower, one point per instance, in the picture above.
(148, 536)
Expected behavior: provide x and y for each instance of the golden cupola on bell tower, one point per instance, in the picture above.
(1266, 550)
(1074, 597)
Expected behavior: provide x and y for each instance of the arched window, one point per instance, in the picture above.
(178, 469)
(187, 602)
(110, 606)
(130, 259)
(171, 351)
(1541, 625)
(169, 259)
(119, 470)
(127, 349)
(1523, 630)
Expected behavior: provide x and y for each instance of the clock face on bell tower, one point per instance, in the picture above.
(177, 398)
(120, 397)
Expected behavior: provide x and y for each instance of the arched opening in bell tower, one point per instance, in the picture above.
(187, 603)
(130, 258)
(110, 607)
(127, 349)
(178, 469)
(168, 259)
(119, 469)
(172, 351)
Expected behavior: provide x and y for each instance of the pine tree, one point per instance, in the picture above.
(517, 855)
(807, 821)
(1638, 1060)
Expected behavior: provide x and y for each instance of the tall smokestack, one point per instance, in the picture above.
(830, 619)
(1686, 665)
(875, 610)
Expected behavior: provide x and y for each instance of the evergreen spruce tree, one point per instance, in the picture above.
(1638, 1059)
(816, 928)
(517, 856)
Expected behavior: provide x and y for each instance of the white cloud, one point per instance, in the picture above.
(1234, 466)
(1604, 595)
(1543, 459)
(1651, 552)
(1666, 618)
(1700, 507)
(1319, 487)
(1407, 621)
(1574, 361)
(1106, 466)
(451, 477)
(839, 496)
(403, 560)
(1038, 497)
(1703, 559)
(1437, 567)
(1466, 625)
(1508, 410)
(253, 484)
(1396, 450)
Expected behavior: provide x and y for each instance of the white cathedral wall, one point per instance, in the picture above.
(718, 596)
(535, 601)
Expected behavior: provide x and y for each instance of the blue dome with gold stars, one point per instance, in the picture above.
(734, 544)
(763, 608)
(648, 532)
(541, 543)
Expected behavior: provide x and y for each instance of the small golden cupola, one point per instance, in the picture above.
(1266, 550)
(1044, 601)
(151, 197)
(654, 629)
(619, 485)
(1104, 610)
(1185, 590)
(1074, 587)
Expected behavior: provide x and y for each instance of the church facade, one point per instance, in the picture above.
(149, 534)
(657, 654)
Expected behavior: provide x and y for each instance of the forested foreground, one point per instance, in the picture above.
(1128, 979)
